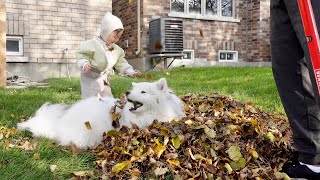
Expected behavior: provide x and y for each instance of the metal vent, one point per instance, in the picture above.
(165, 36)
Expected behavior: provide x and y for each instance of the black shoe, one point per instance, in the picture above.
(300, 171)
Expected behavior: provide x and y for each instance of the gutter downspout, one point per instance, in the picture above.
(139, 31)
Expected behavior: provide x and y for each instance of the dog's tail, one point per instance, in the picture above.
(44, 121)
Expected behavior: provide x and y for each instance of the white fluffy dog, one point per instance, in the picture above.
(67, 123)
(84, 122)
(151, 101)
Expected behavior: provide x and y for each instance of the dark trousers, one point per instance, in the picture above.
(294, 76)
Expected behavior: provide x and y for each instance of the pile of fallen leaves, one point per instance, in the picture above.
(218, 138)
(11, 138)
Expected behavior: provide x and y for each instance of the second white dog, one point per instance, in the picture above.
(84, 122)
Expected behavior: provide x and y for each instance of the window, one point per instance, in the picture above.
(204, 9)
(177, 5)
(228, 56)
(212, 7)
(195, 6)
(186, 60)
(226, 8)
(14, 45)
(188, 54)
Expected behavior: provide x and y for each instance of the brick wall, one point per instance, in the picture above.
(250, 36)
(127, 12)
(49, 26)
(258, 45)
(265, 52)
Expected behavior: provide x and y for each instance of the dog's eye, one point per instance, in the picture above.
(143, 92)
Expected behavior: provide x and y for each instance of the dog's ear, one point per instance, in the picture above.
(162, 84)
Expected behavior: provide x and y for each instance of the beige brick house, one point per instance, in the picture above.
(43, 35)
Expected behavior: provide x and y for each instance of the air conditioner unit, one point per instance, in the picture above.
(165, 36)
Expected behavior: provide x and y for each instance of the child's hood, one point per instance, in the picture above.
(109, 23)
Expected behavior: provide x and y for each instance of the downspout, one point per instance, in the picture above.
(138, 29)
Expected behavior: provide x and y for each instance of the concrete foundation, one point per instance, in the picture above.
(145, 64)
(41, 71)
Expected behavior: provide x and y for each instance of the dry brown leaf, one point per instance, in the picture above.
(88, 125)
(79, 174)
(36, 156)
(29, 146)
(160, 171)
(159, 148)
(188, 122)
(173, 162)
(148, 76)
(123, 166)
(53, 167)
(75, 150)
(201, 32)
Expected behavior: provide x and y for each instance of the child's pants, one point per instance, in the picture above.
(93, 83)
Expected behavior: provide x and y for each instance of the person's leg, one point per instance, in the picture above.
(309, 124)
(288, 44)
(91, 84)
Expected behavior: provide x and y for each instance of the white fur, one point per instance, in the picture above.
(66, 123)
(159, 103)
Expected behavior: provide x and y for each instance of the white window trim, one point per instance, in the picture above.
(203, 16)
(235, 56)
(191, 51)
(20, 40)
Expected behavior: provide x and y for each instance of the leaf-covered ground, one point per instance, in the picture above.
(219, 138)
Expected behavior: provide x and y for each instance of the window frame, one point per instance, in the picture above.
(191, 51)
(20, 41)
(235, 55)
(203, 14)
(185, 52)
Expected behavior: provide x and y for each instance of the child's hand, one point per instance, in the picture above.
(87, 68)
(136, 73)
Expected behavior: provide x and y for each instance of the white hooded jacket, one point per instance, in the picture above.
(95, 52)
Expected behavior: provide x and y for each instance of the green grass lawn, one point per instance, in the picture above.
(243, 84)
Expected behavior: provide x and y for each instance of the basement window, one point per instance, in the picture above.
(228, 56)
(188, 54)
(14, 45)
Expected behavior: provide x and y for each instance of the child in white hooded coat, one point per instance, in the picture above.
(98, 56)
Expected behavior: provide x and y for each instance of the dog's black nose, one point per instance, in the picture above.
(127, 93)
